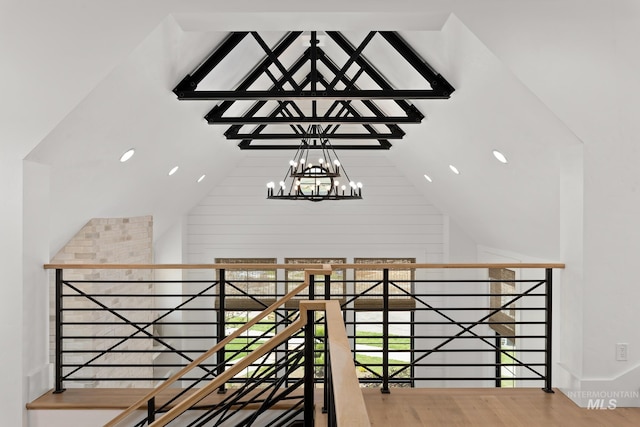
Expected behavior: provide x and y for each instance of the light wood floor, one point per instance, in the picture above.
(490, 407)
(415, 407)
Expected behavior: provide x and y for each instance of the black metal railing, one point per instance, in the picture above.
(403, 332)
(269, 394)
(455, 335)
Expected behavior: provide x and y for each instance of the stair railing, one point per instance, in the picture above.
(346, 406)
(149, 399)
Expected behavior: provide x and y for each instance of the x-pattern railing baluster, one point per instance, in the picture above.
(469, 328)
(228, 407)
(253, 298)
(139, 329)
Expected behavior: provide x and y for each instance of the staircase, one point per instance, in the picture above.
(278, 377)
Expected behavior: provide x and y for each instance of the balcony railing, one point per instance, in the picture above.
(430, 330)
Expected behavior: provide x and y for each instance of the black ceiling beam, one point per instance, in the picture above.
(444, 91)
(346, 105)
(376, 135)
(191, 81)
(233, 130)
(414, 117)
(274, 60)
(249, 117)
(352, 58)
(395, 133)
(407, 107)
(420, 65)
(286, 41)
(244, 95)
(216, 112)
(349, 83)
(246, 145)
(288, 111)
(331, 120)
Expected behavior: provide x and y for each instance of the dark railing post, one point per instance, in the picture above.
(58, 367)
(221, 325)
(327, 296)
(498, 361)
(548, 333)
(309, 367)
(327, 286)
(385, 331)
(151, 410)
(312, 287)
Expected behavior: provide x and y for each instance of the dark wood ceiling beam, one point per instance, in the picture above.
(393, 127)
(261, 136)
(274, 60)
(274, 95)
(188, 86)
(407, 107)
(352, 58)
(216, 112)
(420, 65)
(293, 120)
(191, 81)
(247, 145)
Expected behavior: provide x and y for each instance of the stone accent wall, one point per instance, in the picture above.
(108, 241)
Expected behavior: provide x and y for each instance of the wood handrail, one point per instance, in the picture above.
(255, 266)
(326, 269)
(351, 410)
(232, 371)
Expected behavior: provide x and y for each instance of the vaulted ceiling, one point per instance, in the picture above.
(514, 205)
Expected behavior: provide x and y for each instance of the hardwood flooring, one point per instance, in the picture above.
(488, 407)
(484, 407)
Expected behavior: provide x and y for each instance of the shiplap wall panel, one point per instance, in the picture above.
(236, 220)
(432, 224)
(257, 207)
(326, 229)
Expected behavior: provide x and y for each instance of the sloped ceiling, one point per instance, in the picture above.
(513, 206)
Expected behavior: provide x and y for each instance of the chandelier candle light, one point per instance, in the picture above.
(315, 177)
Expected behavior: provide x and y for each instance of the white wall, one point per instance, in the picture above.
(600, 207)
(169, 249)
(392, 220)
(36, 283)
(11, 321)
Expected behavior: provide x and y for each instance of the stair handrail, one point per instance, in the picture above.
(229, 373)
(326, 269)
(350, 408)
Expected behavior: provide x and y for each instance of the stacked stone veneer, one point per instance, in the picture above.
(108, 241)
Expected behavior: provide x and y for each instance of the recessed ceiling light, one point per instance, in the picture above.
(428, 178)
(173, 170)
(127, 155)
(501, 157)
(454, 169)
(201, 178)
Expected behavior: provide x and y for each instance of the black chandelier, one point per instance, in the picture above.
(315, 178)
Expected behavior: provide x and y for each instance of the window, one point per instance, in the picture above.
(502, 290)
(506, 371)
(369, 344)
(369, 287)
(249, 289)
(296, 277)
